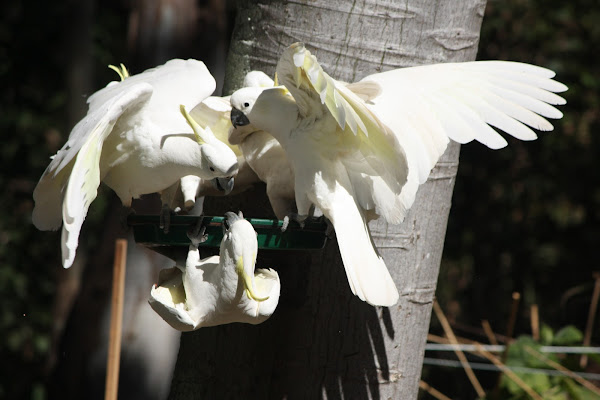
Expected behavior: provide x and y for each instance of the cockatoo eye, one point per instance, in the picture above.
(246, 104)
(212, 169)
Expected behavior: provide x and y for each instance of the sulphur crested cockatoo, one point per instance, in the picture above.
(260, 156)
(189, 192)
(135, 139)
(219, 289)
(256, 149)
(266, 157)
(365, 147)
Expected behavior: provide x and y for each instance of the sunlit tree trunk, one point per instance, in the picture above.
(322, 341)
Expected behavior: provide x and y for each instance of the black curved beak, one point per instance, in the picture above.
(223, 184)
(238, 118)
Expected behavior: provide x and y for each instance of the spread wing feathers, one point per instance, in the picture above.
(83, 182)
(424, 106)
(367, 274)
(371, 153)
(462, 101)
(214, 113)
(300, 72)
(188, 81)
(366, 90)
(48, 193)
(172, 79)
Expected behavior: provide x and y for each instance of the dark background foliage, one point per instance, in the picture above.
(527, 218)
(523, 219)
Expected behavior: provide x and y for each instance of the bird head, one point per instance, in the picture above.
(269, 109)
(242, 104)
(241, 125)
(218, 162)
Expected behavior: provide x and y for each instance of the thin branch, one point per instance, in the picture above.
(589, 326)
(432, 391)
(487, 328)
(116, 321)
(535, 322)
(510, 327)
(461, 356)
(493, 359)
(512, 319)
(511, 375)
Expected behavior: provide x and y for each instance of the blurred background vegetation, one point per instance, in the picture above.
(523, 219)
(527, 219)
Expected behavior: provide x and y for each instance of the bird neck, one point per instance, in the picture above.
(277, 113)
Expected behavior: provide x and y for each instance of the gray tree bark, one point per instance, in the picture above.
(322, 341)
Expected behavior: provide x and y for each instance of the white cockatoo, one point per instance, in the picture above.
(135, 139)
(266, 157)
(364, 148)
(219, 289)
(212, 113)
(260, 156)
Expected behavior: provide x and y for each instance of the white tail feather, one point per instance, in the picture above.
(367, 274)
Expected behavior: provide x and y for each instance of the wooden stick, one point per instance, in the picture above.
(582, 381)
(535, 322)
(478, 331)
(432, 391)
(493, 359)
(461, 356)
(511, 375)
(589, 326)
(116, 321)
(510, 328)
(512, 319)
(487, 328)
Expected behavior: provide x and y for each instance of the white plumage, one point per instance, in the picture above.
(266, 157)
(135, 140)
(219, 289)
(260, 156)
(363, 148)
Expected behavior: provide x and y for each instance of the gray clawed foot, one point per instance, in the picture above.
(300, 219)
(125, 213)
(329, 230)
(165, 218)
(197, 234)
(286, 222)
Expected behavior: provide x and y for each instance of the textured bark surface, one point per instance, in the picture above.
(322, 341)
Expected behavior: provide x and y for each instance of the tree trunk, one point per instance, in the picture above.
(322, 341)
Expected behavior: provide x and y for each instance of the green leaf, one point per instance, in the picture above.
(578, 392)
(569, 335)
(546, 335)
(555, 393)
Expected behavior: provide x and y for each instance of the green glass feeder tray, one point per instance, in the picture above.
(147, 232)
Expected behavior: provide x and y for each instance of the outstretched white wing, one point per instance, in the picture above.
(425, 106)
(82, 186)
(170, 81)
(89, 133)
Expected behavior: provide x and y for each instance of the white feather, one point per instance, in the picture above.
(209, 292)
(133, 131)
(355, 154)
